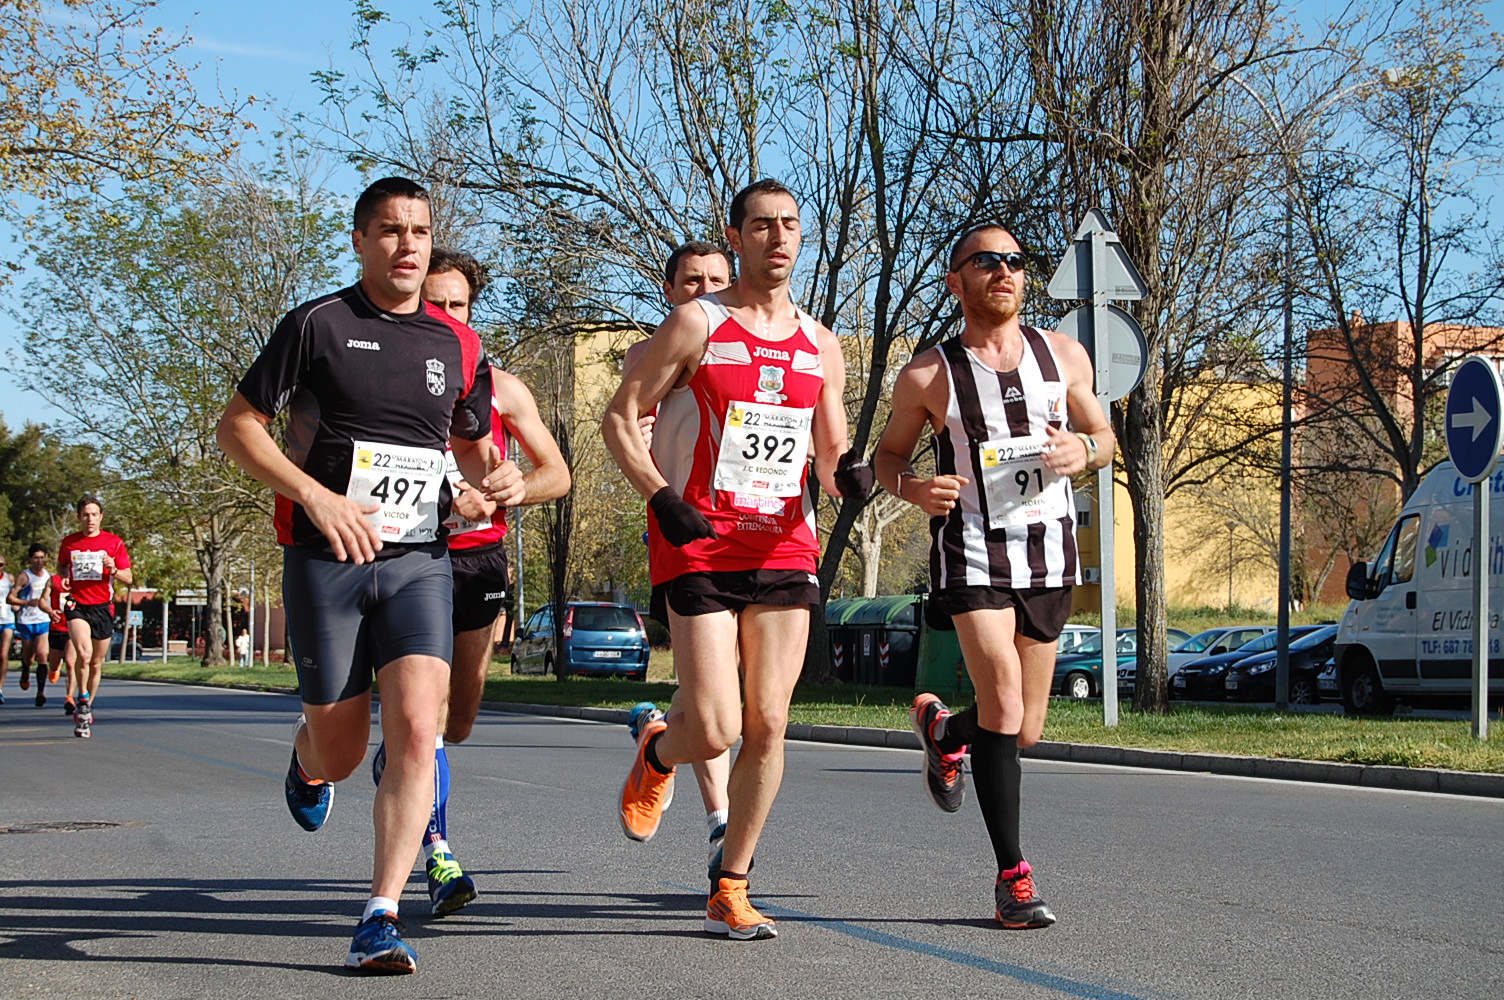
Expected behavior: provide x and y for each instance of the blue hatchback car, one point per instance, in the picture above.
(600, 640)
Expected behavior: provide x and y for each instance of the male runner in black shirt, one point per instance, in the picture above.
(376, 383)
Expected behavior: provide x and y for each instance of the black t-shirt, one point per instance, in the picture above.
(347, 371)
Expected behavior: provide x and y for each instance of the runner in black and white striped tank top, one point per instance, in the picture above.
(1014, 416)
(1014, 524)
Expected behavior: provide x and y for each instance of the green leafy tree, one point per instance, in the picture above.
(149, 314)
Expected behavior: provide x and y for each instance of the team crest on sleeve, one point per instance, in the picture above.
(435, 376)
(770, 384)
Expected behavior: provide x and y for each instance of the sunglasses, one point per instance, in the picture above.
(991, 260)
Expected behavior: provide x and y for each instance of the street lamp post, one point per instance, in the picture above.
(1284, 126)
(1230, 526)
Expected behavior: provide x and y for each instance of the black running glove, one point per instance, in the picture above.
(679, 522)
(854, 476)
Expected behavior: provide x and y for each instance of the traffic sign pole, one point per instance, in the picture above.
(1480, 609)
(1102, 355)
(1096, 268)
(1475, 433)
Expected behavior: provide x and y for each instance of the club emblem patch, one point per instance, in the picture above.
(435, 376)
(769, 384)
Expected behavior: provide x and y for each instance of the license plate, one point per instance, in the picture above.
(1231, 684)
(608, 654)
(1178, 681)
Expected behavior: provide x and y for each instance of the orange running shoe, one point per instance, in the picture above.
(730, 913)
(647, 794)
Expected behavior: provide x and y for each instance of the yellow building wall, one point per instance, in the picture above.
(1199, 561)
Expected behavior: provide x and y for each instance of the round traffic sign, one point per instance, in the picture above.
(1474, 428)
(1127, 350)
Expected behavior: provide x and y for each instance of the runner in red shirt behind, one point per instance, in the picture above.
(93, 561)
(731, 531)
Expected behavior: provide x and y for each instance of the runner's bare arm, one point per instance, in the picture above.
(912, 411)
(1069, 456)
(828, 436)
(243, 435)
(549, 478)
(672, 350)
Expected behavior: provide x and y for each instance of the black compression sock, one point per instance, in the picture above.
(960, 730)
(996, 773)
(650, 754)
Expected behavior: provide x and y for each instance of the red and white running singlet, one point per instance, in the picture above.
(744, 456)
(463, 532)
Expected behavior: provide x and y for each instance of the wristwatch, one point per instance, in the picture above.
(1091, 447)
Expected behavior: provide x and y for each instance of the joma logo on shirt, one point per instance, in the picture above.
(364, 345)
(764, 352)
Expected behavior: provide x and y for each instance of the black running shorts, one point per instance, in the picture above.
(101, 622)
(480, 586)
(1040, 611)
(732, 590)
(345, 622)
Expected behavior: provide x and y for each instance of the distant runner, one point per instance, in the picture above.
(93, 561)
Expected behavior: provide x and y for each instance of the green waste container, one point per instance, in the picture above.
(941, 669)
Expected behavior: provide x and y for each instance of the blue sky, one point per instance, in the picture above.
(269, 48)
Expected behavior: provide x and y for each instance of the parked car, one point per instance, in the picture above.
(600, 640)
(1210, 642)
(1202, 679)
(1072, 636)
(1128, 669)
(132, 652)
(1252, 679)
(1079, 674)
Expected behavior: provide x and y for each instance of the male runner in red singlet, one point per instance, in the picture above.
(692, 270)
(478, 556)
(731, 529)
(998, 398)
(93, 561)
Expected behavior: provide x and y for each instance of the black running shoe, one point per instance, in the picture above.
(1018, 907)
(944, 773)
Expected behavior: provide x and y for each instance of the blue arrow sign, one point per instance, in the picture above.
(1475, 430)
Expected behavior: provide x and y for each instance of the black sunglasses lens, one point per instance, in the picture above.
(988, 260)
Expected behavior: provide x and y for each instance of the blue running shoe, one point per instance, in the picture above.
(639, 714)
(309, 804)
(378, 949)
(718, 851)
(449, 888)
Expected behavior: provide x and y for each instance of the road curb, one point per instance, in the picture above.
(1410, 779)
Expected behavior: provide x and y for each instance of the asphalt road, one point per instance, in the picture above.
(175, 872)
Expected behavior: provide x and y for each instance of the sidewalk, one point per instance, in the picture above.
(1410, 779)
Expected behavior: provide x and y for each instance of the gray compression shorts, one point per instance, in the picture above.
(345, 622)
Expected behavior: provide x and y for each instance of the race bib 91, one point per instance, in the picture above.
(1019, 489)
(88, 565)
(763, 450)
(405, 482)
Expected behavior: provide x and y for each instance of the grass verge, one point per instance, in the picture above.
(1251, 731)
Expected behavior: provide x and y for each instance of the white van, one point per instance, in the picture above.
(1409, 627)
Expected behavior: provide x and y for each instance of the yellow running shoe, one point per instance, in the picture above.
(730, 913)
(647, 794)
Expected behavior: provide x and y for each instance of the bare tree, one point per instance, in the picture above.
(148, 316)
(1149, 125)
(1407, 272)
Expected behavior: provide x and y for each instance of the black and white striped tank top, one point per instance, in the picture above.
(1014, 526)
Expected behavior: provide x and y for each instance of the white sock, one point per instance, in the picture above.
(715, 819)
(438, 742)
(376, 904)
(435, 847)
